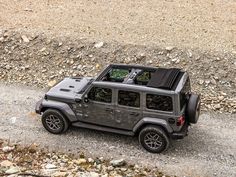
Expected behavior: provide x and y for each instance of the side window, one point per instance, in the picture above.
(128, 98)
(159, 102)
(100, 94)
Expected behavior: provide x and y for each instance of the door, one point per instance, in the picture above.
(98, 107)
(128, 109)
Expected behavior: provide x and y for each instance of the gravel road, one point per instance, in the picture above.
(209, 150)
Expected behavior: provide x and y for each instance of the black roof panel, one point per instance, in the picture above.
(164, 78)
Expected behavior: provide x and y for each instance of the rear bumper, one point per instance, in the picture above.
(182, 133)
(38, 106)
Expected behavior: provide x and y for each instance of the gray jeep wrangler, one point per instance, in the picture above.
(154, 103)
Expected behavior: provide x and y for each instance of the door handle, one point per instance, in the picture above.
(134, 114)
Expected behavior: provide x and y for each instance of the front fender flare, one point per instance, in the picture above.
(63, 107)
(153, 121)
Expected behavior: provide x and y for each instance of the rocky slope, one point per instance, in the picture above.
(39, 60)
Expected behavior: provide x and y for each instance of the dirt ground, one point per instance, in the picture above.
(208, 25)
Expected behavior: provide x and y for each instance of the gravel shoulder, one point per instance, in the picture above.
(207, 25)
(209, 150)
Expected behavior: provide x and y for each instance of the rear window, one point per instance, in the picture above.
(159, 102)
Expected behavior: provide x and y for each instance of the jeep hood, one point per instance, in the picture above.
(69, 88)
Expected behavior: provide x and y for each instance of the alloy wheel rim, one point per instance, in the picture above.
(153, 140)
(53, 122)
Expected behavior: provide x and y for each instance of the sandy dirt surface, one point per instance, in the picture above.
(208, 25)
(209, 150)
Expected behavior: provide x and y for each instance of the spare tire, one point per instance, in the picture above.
(193, 108)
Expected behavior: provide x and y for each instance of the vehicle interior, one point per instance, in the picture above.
(156, 78)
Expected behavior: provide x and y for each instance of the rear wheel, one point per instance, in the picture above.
(193, 108)
(154, 139)
(54, 122)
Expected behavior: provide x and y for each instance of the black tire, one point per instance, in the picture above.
(193, 108)
(161, 141)
(60, 121)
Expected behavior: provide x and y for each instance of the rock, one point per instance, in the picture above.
(97, 66)
(24, 38)
(99, 45)
(189, 53)
(169, 48)
(106, 175)
(6, 163)
(176, 60)
(207, 82)
(221, 97)
(8, 67)
(213, 81)
(110, 168)
(33, 148)
(5, 34)
(90, 160)
(12, 170)
(101, 159)
(50, 166)
(1, 39)
(118, 163)
(80, 161)
(99, 166)
(200, 82)
(8, 149)
(150, 62)
(123, 169)
(222, 93)
(217, 106)
(59, 174)
(94, 174)
(28, 10)
(52, 83)
(43, 49)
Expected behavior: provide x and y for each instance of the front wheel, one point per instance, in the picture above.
(154, 139)
(54, 122)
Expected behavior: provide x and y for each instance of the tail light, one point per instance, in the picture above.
(180, 121)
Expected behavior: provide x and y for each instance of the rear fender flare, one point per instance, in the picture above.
(153, 121)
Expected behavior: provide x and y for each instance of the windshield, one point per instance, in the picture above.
(86, 86)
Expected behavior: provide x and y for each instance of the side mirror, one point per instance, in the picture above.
(77, 100)
(86, 100)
